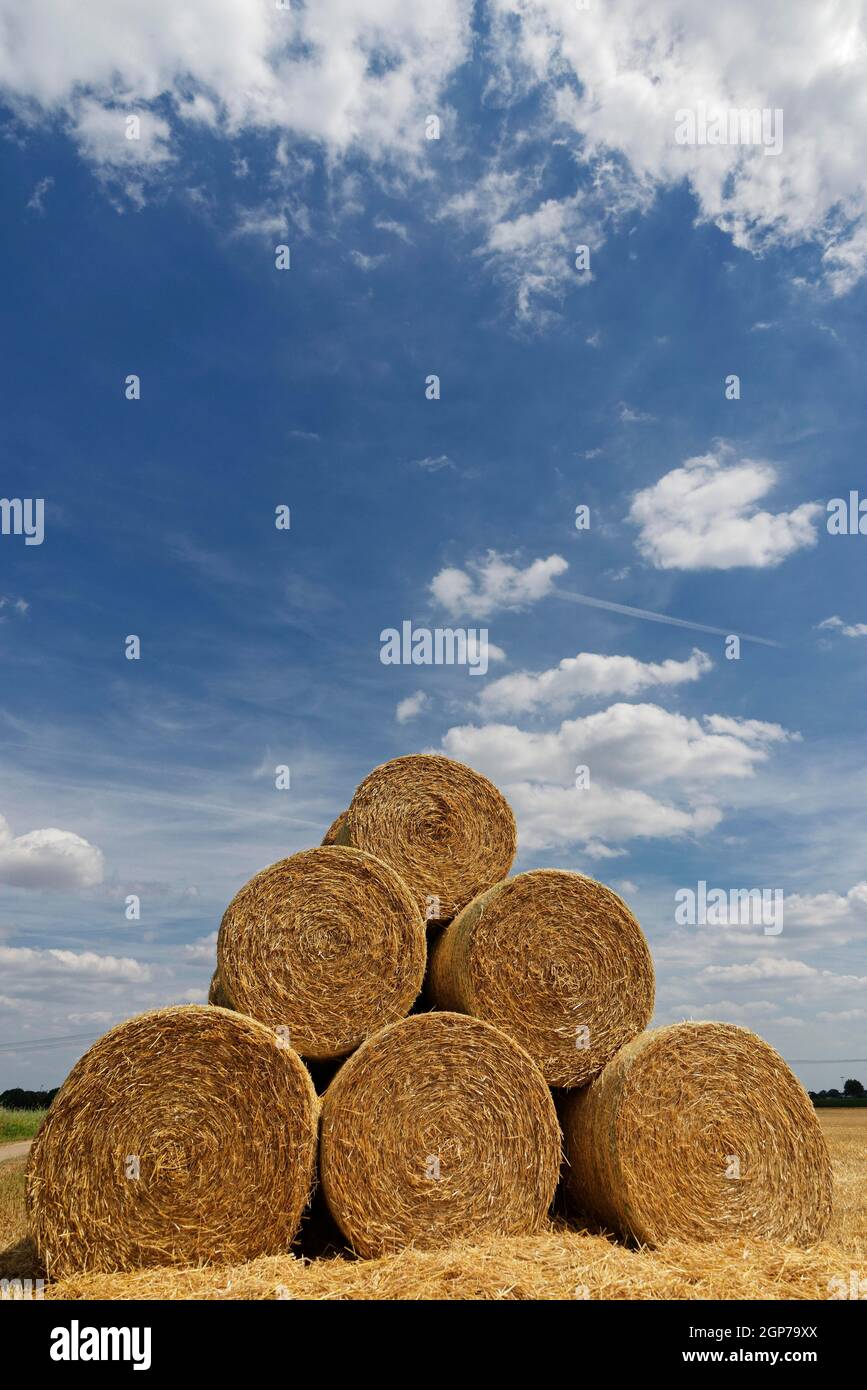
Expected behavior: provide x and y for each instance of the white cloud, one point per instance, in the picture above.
(845, 629)
(704, 516)
(552, 816)
(203, 949)
(366, 262)
(435, 463)
(653, 773)
(753, 730)
(363, 74)
(530, 242)
(17, 605)
(494, 583)
(54, 859)
(387, 224)
(36, 201)
(410, 707)
(101, 133)
(726, 1010)
(342, 72)
(837, 918)
(261, 221)
(27, 960)
(617, 75)
(762, 968)
(629, 415)
(586, 675)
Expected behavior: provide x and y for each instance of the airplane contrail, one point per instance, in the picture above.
(659, 617)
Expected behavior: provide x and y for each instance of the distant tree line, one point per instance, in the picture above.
(16, 1099)
(853, 1093)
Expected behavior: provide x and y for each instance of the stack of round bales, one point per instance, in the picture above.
(192, 1131)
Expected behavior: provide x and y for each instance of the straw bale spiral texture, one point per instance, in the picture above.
(327, 946)
(446, 829)
(183, 1136)
(438, 1128)
(332, 834)
(698, 1131)
(558, 962)
(215, 993)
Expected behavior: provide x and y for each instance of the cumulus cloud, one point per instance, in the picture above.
(608, 82)
(486, 586)
(845, 629)
(55, 859)
(833, 918)
(341, 72)
(704, 515)
(27, 960)
(726, 1010)
(616, 77)
(204, 948)
(652, 773)
(762, 968)
(411, 707)
(587, 675)
(106, 136)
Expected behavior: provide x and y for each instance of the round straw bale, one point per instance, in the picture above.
(332, 834)
(698, 1131)
(446, 829)
(184, 1136)
(215, 993)
(557, 961)
(327, 946)
(439, 1127)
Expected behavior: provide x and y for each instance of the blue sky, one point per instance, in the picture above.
(306, 388)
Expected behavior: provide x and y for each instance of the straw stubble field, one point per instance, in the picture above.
(559, 1264)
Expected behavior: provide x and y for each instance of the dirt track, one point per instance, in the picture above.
(17, 1149)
